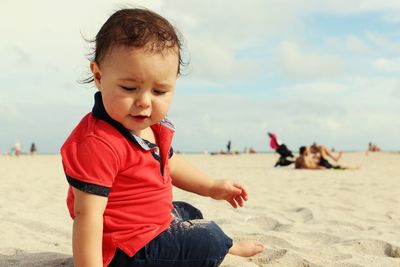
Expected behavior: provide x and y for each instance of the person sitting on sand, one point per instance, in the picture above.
(121, 168)
(373, 147)
(321, 154)
(304, 160)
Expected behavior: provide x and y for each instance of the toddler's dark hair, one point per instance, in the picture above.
(135, 27)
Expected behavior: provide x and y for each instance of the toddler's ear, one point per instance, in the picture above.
(94, 67)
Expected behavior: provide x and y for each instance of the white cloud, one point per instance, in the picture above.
(356, 45)
(385, 45)
(297, 63)
(355, 6)
(324, 87)
(389, 65)
(393, 18)
(373, 5)
(217, 63)
(217, 32)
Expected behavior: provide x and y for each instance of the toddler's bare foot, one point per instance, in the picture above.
(246, 248)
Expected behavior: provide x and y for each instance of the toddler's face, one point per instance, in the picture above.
(137, 86)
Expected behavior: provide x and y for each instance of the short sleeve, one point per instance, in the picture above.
(90, 165)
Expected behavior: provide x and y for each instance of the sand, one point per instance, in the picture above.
(305, 218)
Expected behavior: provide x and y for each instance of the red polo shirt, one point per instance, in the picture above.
(102, 157)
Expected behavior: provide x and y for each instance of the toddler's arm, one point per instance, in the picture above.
(189, 178)
(87, 231)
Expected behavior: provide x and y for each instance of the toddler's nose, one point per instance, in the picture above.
(143, 100)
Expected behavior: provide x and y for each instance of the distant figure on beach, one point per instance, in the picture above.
(33, 149)
(305, 161)
(228, 147)
(373, 147)
(121, 167)
(251, 150)
(17, 149)
(282, 150)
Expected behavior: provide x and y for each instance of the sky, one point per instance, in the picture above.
(307, 70)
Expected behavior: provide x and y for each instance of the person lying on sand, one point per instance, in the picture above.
(319, 159)
(321, 154)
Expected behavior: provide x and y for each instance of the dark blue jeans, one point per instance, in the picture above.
(189, 241)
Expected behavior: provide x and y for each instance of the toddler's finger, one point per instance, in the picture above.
(239, 200)
(232, 202)
(244, 192)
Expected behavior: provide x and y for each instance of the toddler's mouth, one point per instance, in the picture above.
(140, 118)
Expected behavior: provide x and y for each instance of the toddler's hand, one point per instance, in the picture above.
(232, 192)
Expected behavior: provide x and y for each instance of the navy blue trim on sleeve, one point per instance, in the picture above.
(89, 188)
(171, 152)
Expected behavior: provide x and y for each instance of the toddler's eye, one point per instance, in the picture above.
(158, 92)
(128, 88)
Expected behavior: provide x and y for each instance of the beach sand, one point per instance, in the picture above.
(304, 217)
